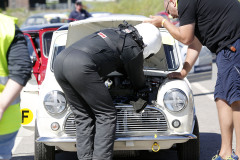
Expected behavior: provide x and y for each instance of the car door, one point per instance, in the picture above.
(34, 56)
(29, 93)
(45, 36)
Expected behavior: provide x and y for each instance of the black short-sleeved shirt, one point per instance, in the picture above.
(19, 63)
(217, 22)
(83, 14)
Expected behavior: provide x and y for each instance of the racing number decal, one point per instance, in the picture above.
(27, 116)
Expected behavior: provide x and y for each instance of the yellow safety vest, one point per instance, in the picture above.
(11, 120)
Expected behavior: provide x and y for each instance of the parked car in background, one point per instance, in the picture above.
(46, 18)
(168, 121)
(100, 14)
(38, 40)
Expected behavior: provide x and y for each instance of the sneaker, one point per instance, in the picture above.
(234, 156)
(217, 157)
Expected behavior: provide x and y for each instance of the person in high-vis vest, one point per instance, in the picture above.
(15, 71)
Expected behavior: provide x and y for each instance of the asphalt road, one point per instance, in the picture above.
(210, 138)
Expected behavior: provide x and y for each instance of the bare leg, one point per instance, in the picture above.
(236, 121)
(225, 115)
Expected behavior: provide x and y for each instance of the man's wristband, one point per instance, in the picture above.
(163, 22)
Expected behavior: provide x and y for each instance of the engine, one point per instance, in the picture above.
(122, 91)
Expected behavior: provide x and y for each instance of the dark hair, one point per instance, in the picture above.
(78, 2)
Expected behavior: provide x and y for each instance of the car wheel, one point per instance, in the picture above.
(191, 149)
(42, 151)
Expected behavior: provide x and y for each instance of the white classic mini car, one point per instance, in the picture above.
(168, 121)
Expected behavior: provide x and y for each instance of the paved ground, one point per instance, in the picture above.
(208, 124)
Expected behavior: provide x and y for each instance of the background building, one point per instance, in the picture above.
(43, 4)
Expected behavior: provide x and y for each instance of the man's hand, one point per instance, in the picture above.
(2, 109)
(9, 94)
(184, 34)
(192, 55)
(177, 75)
(155, 20)
(139, 105)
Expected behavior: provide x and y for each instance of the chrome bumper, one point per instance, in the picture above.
(119, 139)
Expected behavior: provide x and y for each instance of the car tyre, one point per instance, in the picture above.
(42, 151)
(191, 149)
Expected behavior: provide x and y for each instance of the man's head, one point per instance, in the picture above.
(171, 7)
(78, 5)
(151, 38)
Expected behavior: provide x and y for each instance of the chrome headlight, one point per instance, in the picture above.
(55, 102)
(175, 100)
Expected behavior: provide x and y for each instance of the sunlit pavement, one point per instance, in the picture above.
(210, 138)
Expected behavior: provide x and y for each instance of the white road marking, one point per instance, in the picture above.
(16, 145)
(203, 90)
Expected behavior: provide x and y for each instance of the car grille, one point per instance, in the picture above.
(69, 126)
(130, 123)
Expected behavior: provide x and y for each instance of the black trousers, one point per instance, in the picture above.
(90, 102)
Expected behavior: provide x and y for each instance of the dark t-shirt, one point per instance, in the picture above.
(19, 63)
(74, 15)
(217, 22)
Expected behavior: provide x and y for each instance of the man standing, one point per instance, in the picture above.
(79, 68)
(215, 24)
(15, 70)
(79, 13)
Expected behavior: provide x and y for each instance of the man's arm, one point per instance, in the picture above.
(70, 18)
(19, 67)
(9, 94)
(19, 62)
(184, 34)
(134, 70)
(192, 55)
(88, 14)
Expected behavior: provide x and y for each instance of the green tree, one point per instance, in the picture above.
(138, 7)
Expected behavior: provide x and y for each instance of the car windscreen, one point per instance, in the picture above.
(59, 44)
(165, 60)
(31, 51)
(47, 38)
(34, 21)
(30, 21)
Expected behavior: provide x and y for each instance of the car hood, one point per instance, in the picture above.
(167, 60)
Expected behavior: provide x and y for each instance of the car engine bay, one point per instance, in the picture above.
(123, 93)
